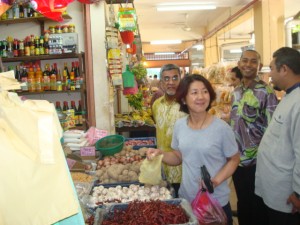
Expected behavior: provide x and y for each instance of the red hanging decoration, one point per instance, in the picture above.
(127, 37)
(52, 9)
(133, 47)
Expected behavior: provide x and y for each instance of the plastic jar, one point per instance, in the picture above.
(58, 29)
(52, 29)
(65, 28)
(71, 28)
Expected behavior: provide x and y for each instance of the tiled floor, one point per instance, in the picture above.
(233, 200)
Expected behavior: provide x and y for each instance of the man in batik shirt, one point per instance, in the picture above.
(165, 111)
(253, 103)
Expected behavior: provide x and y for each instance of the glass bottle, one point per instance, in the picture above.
(46, 78)
(79, 114)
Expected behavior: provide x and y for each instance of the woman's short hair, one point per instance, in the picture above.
(183, 88)
(237, 72)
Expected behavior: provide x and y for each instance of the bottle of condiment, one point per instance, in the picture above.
(37, 45)
(18, 73)
(59, 81)
(21, 48)
(77, 76)
(32, 46)
(66, 108)
(46, 42)
(21, 10)
(72, 111)
(31, 80)
(41, 46)
(24, 79)
(72, 77)
(66, 75)
(39, 80)
(46, 78)
(16, 48)
(58, 106)
(27, 46)
(79, 114)
(16, 11)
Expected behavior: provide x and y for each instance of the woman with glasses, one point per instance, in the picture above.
(201, 139)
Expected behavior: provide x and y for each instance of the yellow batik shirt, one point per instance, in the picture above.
(165, 115)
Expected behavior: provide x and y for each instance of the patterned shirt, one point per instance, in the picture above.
(165, 115)
(251, 111)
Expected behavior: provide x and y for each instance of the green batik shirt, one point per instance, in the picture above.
(165, 115)
(251, 111)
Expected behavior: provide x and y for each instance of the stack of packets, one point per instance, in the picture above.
(75, 139)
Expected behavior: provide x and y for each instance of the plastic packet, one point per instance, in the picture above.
(151, 171)
(207, 209)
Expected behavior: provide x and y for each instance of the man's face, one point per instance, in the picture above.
(275, 76)
(170, 80)
(249, 64)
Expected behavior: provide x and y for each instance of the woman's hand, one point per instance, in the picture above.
(152, 152)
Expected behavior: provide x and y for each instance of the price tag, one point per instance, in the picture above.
(71, 163)
(88, 151)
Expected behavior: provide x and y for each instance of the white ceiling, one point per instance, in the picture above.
(154, 25)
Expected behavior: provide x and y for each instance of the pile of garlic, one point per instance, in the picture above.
(102, 195)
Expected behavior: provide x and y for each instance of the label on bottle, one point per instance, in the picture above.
(58, 86)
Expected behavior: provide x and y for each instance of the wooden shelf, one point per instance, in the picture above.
(38, 19)
(118, 1)
(46, 92)
(41, 57)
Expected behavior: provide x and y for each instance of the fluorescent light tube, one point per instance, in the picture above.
(235, 51)
(164, 42)
(164, 53)
(185, 7)
(198, 47)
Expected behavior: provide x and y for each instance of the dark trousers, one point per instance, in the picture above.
(176, 187)
(267, 216)
(228, 212)
(243, 179)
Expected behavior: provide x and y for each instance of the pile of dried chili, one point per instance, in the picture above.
(153, 212)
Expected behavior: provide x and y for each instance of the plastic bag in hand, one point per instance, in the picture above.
(208, 210)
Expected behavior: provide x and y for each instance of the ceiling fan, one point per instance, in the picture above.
(184, 25)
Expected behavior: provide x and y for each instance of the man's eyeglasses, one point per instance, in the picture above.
(167, 79)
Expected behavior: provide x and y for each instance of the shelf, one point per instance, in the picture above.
(41, 57)
(46, 92)
(118, 1)
(38, 19)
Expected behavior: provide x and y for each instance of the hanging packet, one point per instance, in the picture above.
(127, 19)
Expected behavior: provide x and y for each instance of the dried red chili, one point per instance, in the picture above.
(153, 212)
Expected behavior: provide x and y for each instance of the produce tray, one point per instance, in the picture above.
(141, 142)
(108, 210)
(127, 184)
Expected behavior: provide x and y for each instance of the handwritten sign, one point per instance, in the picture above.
(88, 151)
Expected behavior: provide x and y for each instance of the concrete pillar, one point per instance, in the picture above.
(103, 94)
(268, 28)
